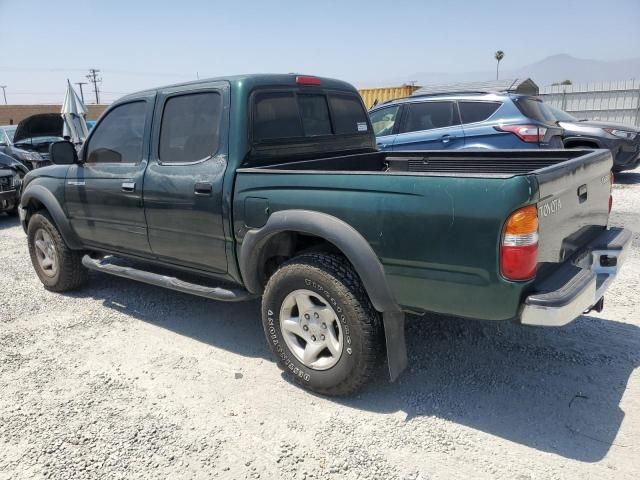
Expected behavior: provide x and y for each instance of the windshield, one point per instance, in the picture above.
(36, 140)
(561, 115)
(9, 131)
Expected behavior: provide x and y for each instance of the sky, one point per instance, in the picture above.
(145, 43)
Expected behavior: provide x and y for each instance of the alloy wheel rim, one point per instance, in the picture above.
(311, 329)
(46, 253)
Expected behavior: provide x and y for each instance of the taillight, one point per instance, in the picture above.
(307, 80)
(526, 133)
(519, 249)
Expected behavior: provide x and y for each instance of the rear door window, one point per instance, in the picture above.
(430, 115)
(190, 127)
(473, 112)
(534, 109)
(290, 114)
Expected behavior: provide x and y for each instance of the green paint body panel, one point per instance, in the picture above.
(436, 236)
(439, 248)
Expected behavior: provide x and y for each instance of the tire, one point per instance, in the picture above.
(327, 280)
(69, 273)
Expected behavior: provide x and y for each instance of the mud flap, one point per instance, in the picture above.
(396, 346)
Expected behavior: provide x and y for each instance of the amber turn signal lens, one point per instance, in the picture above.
(522, 221)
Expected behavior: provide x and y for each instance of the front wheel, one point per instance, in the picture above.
(320, 324)
(58, 267)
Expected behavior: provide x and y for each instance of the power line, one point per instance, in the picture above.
(111, 71)
(93, 78)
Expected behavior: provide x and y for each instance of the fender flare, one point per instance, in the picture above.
(50, 202)
(357, 250)
(332, 229)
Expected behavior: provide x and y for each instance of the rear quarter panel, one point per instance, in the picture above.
(437, 237)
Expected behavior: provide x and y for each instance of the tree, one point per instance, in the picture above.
(564, 82)
(499, 55)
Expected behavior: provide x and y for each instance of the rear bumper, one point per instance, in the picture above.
(579, 285)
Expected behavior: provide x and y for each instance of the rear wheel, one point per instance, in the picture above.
(320, 324)
(58, 267)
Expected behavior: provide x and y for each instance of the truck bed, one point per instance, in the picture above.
(466, 163)
(435, 219)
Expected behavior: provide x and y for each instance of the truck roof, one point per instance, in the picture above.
(251, 81)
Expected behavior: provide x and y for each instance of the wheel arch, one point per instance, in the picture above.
(346, 240)
(587, 142)
(36, 197)
(331, 231)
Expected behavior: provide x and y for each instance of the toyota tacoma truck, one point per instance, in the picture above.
(272, 186)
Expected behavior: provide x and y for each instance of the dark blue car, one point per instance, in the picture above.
(465, 120)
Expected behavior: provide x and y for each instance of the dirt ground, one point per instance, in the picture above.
(124, 380)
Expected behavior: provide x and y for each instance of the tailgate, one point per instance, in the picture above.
(573, 206)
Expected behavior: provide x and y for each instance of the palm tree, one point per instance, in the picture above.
(499, 55)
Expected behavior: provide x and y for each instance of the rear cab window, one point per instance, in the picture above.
(290, 114)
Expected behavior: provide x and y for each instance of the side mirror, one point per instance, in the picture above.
(63, 153)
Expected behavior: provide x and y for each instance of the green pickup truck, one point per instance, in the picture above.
(271, 185)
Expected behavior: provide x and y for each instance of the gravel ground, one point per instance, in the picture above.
(124, 380)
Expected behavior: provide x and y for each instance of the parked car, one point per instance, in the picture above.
(465, 120)
(33, 136)
(271, 185)
(7, 146)
(16, 165)
(623, 140)
(10, 181)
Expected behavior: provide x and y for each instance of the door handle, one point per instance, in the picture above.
(446, 138)
(203, 189)
(128, 187)
(381, 145)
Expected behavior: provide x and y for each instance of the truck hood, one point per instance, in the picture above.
(11, 163)
(599, 124)
(40, 125)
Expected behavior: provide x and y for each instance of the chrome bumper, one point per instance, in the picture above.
(578, 286)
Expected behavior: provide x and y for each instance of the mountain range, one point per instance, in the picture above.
(555, 68)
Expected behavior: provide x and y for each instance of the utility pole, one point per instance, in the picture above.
(4, 93)
(94, 79)
(81, 92)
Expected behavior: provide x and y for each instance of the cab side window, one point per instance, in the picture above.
(190, 128)
(119, 137)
